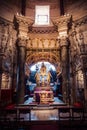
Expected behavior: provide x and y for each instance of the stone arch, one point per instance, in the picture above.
(35, 57)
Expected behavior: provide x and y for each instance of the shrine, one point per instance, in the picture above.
(43, 64)
(43, 92)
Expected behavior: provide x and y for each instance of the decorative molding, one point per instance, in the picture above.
(62, 21)
(22, 24)
(75, 59)
(22, 41)
(42, 43)
(7, 45)
(83, 49)
(84, 61)
(76, 24)
(43, 30)
(77, 38)
(64, 41)
(33, 57)
(80, 21)
(23, 20)
(5, 22)
(63, 24)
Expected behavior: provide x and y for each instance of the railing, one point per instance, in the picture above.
(71, 113)
(64, 112)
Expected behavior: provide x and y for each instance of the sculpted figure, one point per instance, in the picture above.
(43, 77)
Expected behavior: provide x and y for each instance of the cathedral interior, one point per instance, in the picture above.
(43, 60)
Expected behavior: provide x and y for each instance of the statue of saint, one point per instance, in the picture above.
(43, 77)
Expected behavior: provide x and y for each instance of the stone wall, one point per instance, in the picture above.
(8, 8)
(76, 8)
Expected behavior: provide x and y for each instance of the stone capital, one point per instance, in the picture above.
(63, 23)
(22, 42)
(23, 20)
(22, 24)
(64, 41)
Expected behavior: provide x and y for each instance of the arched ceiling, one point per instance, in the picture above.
(43, 49)
(34, 57)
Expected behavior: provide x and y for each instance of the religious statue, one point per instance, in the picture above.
(43, 77)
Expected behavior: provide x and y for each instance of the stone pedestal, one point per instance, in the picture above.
(43, 95)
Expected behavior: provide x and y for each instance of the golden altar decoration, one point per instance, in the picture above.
(43, 92)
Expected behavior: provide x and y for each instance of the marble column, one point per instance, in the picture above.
(22, 24)
(21, 71)
(65, 68)
(64, 23)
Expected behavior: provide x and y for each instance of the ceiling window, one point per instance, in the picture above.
(42, 15)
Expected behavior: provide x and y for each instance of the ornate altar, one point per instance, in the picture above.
(43, 92)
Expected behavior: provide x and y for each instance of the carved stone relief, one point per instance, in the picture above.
(42, 43)
(8, 51)
(78, 42)
(34, 57)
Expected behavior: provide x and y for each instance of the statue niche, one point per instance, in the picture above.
(43, 92)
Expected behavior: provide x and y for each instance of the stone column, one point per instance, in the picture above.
(64, 23)
(21, 72)
(21, 24)
(65, 68)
